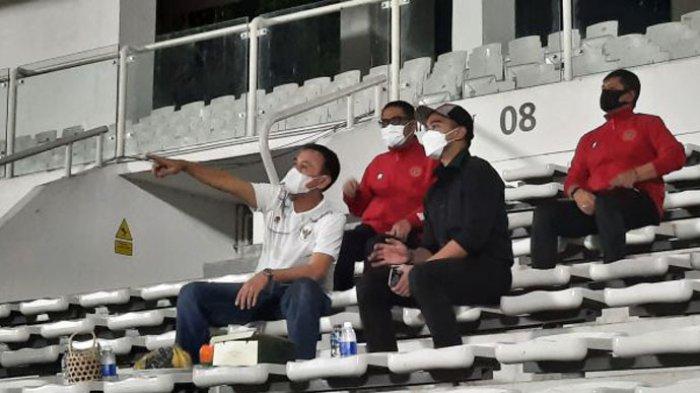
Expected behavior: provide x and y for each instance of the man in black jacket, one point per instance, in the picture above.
(466, 254)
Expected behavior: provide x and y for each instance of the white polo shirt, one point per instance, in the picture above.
(290, 237)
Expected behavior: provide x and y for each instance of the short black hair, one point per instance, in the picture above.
(629, 80)
(407, 108)
(331, 163)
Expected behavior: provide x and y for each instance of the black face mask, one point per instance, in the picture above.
(610, 99)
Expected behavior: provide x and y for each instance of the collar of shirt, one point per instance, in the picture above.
(412, 145)
(620, 114)
(454, 167)
(315, 214)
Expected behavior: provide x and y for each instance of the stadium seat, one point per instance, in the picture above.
(667, 341)
(525, 50)
(602, 29)
(486, 61)
(524, 277)
(677, 291)
(29, 356)
(539, 301)
(447, 77)
(692, 19)
(554, 50)
(683, 199)
(162, 383)
(413, 75)
(534, 172)
(103, 298)
(456, 357)
(676, 38)
(520, 219)
(645, 266)
(559, 347)
(634, 50)
(42, 306)
(251, 375)
(138, 319)
(534, 74)
(529, 192)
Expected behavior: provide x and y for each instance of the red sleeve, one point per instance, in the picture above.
(578, 173)
(670, 155)
(364, 194)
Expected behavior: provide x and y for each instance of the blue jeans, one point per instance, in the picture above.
(201, 305)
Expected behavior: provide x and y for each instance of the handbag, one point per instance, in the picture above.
(82, 365)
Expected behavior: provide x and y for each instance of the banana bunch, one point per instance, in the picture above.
(172, 357)
(181, 359)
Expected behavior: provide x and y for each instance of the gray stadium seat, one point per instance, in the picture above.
(525, 50)
(602, 29)
(555, 47)
(447, 76)
(633, 50)
(413, 75)
(534, 74)
(676, 38)
(692, 19)
(486, 60)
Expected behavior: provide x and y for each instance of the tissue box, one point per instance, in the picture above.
(240, 351)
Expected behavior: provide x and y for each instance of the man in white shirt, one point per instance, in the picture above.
(302, 239)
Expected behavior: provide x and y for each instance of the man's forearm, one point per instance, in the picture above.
(420, 255)
(297, 272)
(449, 251)
(223, 181)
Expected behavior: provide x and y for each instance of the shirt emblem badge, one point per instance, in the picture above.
(305, 232)
(593, 146)
(380, 176)
(629, 135)
(416, 171)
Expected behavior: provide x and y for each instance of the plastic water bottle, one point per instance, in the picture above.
(348, 341)
(109, 364)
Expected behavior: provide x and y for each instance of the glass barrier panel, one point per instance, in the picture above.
(188, 95)
(628, 34)
(4, 82)
(63, 103)
(330, 52)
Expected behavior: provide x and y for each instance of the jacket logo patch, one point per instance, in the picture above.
(629, 135)
(594, 145)
(380, 176)
(416, 171)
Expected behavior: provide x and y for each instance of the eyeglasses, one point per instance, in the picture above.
(394, 121)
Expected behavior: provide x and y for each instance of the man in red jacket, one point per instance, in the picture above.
(615, 179)
(389, 199)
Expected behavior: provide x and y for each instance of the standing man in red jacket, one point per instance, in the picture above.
(615, 179)
(389, 199)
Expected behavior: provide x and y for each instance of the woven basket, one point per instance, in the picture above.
(82, 365)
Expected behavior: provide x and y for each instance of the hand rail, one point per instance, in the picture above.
(60, 142)
(273, 118)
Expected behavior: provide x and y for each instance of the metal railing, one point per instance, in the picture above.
(61, 142)
(254, 29)
(372, 82)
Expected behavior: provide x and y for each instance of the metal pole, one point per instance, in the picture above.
(567, 17)
(11, 120)
(350, 113)
(69, 159)
(377, 104)
(121, 102)
(395, 49)
(99, 148)
(252, 76)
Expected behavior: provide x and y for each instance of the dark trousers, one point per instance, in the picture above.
(357, 244)
(201, 305)
(435, 288)
(616, 212)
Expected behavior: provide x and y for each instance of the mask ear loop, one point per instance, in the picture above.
(406, 137)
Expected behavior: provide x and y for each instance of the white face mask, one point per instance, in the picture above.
(393, 136)
(295, 182)
(434, 143)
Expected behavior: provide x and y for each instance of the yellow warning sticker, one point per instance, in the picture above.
(124, 233)
(123, 248)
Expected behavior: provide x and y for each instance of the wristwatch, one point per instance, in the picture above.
(267, 272)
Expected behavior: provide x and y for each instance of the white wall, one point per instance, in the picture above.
(480, 22)
(467, 24)
(37, 30)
